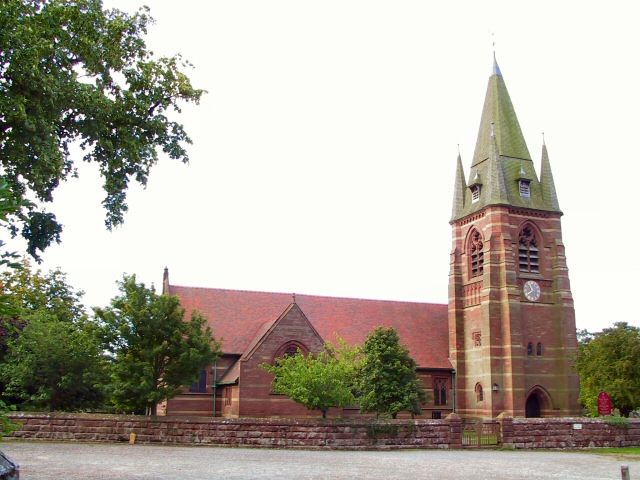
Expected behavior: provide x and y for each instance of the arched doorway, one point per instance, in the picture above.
(532, 407)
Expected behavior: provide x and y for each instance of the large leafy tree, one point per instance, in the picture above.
(317, 381)
(72, 72)
(610, 361)
(155, 351)
(26, 292)
(31, 290)
(387, 380)
(54, 364)
(9, 207)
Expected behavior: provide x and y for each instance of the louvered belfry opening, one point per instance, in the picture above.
(476, 251)
(529, 260)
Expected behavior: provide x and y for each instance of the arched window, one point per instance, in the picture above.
(291, 348)
(476, 253)
(528, 258)
(529, 348)
(290, 351)
(539, 349)
(440, 391)
(479, 395)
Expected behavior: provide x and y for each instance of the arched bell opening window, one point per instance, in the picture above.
(539, 349)
(528, 250)
(530, 348)
(476, 254)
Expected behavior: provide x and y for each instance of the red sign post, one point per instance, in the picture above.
(605, 407)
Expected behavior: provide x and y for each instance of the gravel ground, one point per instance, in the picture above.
(76, 461)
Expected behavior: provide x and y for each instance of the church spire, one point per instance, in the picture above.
(496, 186)
(498, 110)
(459, 189)
(546, 181)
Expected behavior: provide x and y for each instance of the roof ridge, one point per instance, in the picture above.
(299, 295)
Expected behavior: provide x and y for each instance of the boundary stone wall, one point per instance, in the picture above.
(578, 432)
(347, 433)
(241, 432)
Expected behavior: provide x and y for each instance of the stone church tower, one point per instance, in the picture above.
(512, 333)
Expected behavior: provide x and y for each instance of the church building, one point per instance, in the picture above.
(504, 343)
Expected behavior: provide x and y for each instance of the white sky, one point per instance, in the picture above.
(324, 152)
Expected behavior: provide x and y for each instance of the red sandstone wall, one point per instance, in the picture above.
(568, 433)
(241, 432)
(343, 433)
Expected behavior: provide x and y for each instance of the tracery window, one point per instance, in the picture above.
(525, 188)
(291, 348)
(290, 351)
(440, 391)
(528, 258)
(476, 252)
(479, 394)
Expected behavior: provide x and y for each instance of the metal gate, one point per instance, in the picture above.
(480, 433)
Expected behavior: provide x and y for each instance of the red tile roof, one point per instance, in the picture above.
(237, 316)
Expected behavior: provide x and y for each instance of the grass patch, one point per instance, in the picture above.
(629, 451)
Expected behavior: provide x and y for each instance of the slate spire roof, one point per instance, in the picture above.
(546, 180)
(502, 161)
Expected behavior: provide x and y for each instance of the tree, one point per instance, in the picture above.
(610, 362)
(26, 292)
(317, 381)
(54, 364)
(9, 207)
(387, 379)
(30, 291)
(154, 350)
(74, 73)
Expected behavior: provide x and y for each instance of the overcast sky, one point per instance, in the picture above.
(324, 152)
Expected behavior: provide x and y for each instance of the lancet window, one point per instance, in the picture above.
(479, 394)
(440, 391)
(528, 253)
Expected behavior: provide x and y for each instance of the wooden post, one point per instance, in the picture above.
(624, 470)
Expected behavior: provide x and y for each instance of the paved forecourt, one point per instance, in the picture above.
(75, 461)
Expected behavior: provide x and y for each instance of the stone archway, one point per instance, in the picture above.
(538, 401)
(532, 407)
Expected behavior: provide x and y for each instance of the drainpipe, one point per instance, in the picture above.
(214, 385)
(453, 377)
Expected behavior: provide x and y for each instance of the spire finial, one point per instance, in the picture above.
(496, 68)
(458, 149)
(543, 142)
(294, 297)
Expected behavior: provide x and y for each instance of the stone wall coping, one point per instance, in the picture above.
(243, 420)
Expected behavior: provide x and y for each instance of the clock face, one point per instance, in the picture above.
(531, 290)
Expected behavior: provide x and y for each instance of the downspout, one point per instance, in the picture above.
(214, 385)
(453, 376)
